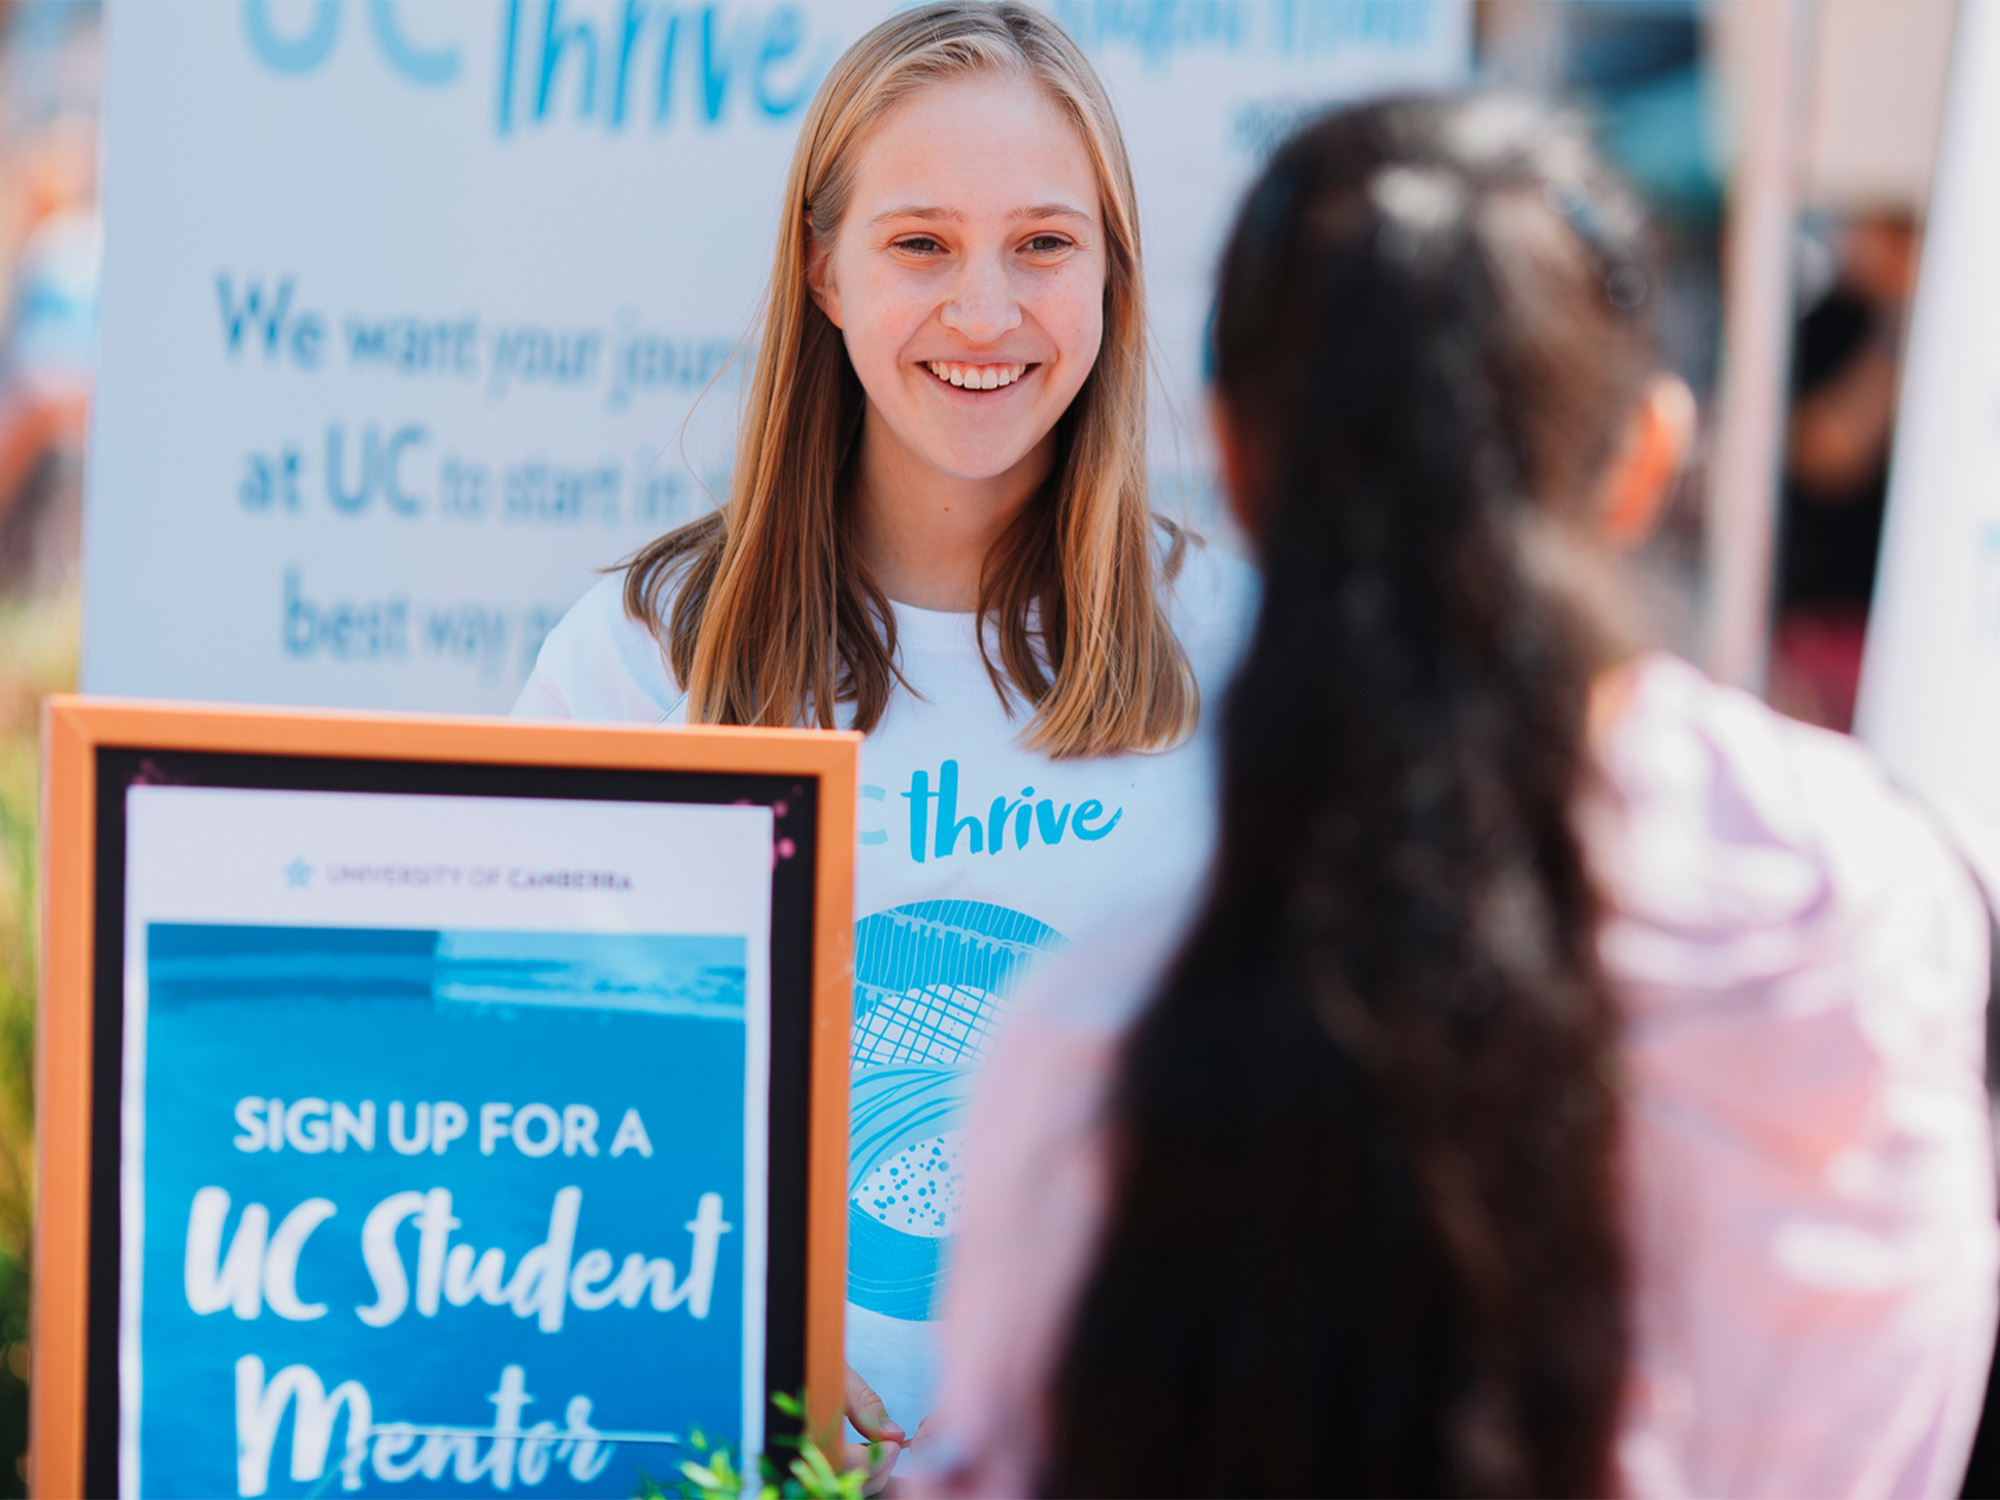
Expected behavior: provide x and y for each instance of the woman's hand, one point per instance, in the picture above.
(871, 1419)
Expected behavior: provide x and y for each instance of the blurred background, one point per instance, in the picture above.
(49, 255)
(1786, 146)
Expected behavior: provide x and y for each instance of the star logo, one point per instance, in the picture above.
(298, 874)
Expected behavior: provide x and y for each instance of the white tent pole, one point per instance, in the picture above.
(1758, 252)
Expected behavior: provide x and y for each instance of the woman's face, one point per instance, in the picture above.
(967, 277)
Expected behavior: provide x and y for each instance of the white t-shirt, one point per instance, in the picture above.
(977, 859)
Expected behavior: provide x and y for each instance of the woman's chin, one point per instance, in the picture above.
(964, 447)
(972, 463)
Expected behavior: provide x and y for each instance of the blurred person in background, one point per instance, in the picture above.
(1845, 355)
(1572, 1083)
(47, 358)
(51, 253)
(50, 73)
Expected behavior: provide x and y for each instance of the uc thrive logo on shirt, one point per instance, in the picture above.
(1029, 818)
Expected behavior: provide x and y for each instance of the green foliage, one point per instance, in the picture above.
(714, 1475)
(37, 657)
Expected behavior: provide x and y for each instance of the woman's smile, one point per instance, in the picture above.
(977, 377)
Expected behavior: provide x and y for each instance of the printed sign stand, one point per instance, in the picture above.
(433, 1105)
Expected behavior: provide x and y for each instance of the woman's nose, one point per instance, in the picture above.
(982, 306)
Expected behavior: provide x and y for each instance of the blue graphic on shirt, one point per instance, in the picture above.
(931, 983)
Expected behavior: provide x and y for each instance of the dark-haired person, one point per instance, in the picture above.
(1572, 1083)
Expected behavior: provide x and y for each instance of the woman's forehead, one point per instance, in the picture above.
(989, 147)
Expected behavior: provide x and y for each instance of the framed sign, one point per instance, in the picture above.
(433, 1105)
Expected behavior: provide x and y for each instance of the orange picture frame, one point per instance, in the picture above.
(76, 729)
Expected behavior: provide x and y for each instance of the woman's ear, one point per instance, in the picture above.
(819, 276)
(1239, 479)
(1658, 437)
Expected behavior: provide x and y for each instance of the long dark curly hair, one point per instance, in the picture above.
(1365, 1231)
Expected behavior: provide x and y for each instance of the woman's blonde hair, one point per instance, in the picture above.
(774, 617)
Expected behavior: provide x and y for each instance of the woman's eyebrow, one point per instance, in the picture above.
(929, 215)
(1055, 211)
(953, 216)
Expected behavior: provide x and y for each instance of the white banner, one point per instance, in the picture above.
(410, 309)
(1930, 681)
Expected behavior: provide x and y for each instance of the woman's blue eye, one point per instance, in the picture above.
(923, 244)
(1047, 244)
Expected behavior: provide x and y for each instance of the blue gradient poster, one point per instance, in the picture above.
(436, 1208)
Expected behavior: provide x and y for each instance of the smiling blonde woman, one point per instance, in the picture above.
(938, 532)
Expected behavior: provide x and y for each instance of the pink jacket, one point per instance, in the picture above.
(1811, 1180)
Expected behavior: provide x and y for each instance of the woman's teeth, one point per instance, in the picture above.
(976, 377)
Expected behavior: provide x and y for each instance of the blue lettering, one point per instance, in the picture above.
(298, 54)
(763, 58)
(631, 24)
(380, 470)
(345, 631)
(253, 312)
(1090, 812)
(428, 68)
(400, 500)
(949, 824)
(919, 797)
(874, 835)
(1050, 824)
(336, 448)
(415, 346)
(510, 31)
(297, 335)
(986, 835)
(306, 334)
(469, 633)
(1162, 30)
(366, 341)
(714, 82)
(767, 65)
(267, 477)
(782, 35)
(996, 823)
(556, 39)
(663, 99)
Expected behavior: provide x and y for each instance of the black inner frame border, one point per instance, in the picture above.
(794, 801)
